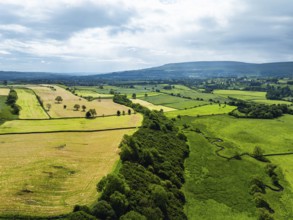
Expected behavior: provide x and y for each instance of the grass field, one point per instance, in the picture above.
(254, 96)
(5, 110)
(47, 174)
(273, 136)
(30, 106)
(24, 126)
(4, 91)
(152, 106)
(219, 189)
(87, 93)
(203, 110)
(104, 107)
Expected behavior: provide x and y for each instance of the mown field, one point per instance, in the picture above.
(57, 110)
(173, 101)
(224, 185)
(47, 174)
(4, 91)
(30, 106)
(78, 124)
(152, 106)
(214, 109)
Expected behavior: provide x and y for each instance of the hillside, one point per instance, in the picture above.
(168, 71)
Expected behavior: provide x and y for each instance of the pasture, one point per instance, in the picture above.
(47, 174)
(214, 109)
(259, 97)
(152, 106)
(30, 106)
(224, 186)
(75, 124)
(66, 107)
(88, 93)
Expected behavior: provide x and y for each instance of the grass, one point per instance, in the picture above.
(254, 96)
(203, 110)
(30, 106)
(273, 136)
(24, 126)
(5, 110)
(223, 186)
(47, 174)
(103, 107)
(152, 106)
(87, 93)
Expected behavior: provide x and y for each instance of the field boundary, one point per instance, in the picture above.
(68, 131)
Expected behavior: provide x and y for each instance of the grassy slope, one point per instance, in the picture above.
(5, 110)
(47, 174)
(20, 126)
(222, 185)
(259, 97)
(30, 106)
(105, 107)
(152, 106)
(203, 110)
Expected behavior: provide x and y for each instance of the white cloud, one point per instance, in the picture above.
(147, 33)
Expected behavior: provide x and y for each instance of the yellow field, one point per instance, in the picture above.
(30, 106)
(152, 106)
(86, 93)
(78, 124)
(48, 95)
(4, 91)
(47, 174)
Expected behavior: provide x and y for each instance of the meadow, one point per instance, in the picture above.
(224, 185)
(214, 109)
(66, 107)
(47, 174)
(254, 96)
(74, 124)
(30, 106)
(88, 93)
(4, 91)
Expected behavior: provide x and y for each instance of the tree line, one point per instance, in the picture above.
(11, 101)
(148, 184)
(255, 110)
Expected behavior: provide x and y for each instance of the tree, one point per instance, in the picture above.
(123, 112)
(134, 96)
(76, 107)
(132, 215)
(5, 82)
(119, 203)
(48, 106)
(146, 95)
(83, 108)
(129, 112)
(64, 106)
(59, 99)
(103, 210)
(118, 113)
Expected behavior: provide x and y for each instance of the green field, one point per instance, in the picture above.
(223, 186)
(87, 93)
(30, 106)
(78, 124)
(203, 110)
(48, 174)
(5, 110)
(254, 96)
(273, 136)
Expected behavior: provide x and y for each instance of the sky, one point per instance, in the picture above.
(98, 36)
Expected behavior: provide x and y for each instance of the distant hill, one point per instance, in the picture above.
(169, 71)
(205, 69)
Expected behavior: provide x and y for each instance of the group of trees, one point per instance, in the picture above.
(148, 184)
(255, 110)
(11, 101)
(277, 93)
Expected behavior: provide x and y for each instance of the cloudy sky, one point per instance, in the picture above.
(109, 35)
